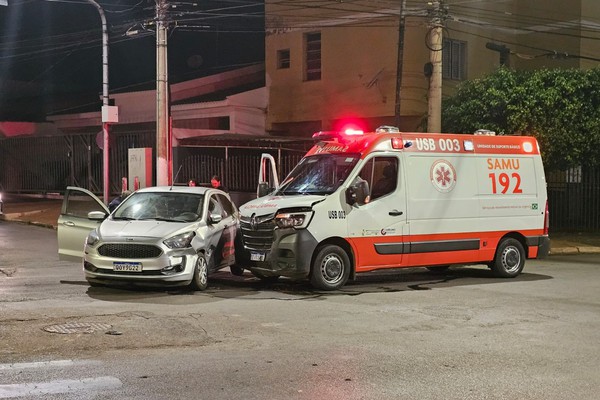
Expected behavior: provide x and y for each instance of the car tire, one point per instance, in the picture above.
(509, 260)
(200, 279)
(331, 268)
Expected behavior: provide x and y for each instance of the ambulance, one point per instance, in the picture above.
(359, 202)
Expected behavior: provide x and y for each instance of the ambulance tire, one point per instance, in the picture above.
(510, 259)
(331, 268)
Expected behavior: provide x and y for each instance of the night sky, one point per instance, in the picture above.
(51, 52)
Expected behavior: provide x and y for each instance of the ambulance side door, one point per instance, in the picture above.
(376, 229)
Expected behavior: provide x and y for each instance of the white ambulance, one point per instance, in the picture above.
(361, 202)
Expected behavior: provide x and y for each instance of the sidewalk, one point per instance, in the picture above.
(45, 212)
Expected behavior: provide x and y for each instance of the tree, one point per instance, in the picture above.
(560, 107)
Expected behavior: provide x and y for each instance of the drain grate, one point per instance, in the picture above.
(77, 327)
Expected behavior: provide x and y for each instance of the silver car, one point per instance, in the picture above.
(157, 236)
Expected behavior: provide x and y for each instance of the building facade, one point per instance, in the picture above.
(333, 63)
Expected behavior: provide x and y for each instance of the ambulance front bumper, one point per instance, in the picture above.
(290, 255)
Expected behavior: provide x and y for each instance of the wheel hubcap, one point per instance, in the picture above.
(332, 269)
(202, 271)
(511, 259)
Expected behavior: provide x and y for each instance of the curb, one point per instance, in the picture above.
(575, 250)
(14, 217)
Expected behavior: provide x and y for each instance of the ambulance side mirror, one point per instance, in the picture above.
(263, 189)
(358, 193)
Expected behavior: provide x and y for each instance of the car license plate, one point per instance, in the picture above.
(127, 266)
(257, 256)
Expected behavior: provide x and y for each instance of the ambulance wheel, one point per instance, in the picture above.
(200, 279)
(510, 259)
(331, 268)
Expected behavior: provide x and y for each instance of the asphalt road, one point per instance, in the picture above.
(406, 334)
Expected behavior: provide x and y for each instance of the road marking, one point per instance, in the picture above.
(39, 364)
(59, 386)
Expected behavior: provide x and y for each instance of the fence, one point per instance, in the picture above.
(574, 200)
(43, 165)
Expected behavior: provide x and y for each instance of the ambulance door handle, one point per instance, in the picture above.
(395, 213)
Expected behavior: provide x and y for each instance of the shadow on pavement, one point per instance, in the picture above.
(223, 285)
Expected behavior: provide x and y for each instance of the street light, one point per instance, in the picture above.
(109, 113)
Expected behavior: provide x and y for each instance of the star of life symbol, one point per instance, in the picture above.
(443, 176)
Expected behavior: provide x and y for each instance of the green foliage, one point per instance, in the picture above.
(561, 108)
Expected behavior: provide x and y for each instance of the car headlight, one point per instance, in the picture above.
(180, 241)
(92, 238)
(297, 220)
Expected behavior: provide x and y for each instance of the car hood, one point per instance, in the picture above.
(111, 230)
(271, 204)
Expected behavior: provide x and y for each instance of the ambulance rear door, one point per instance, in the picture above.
(376, 229)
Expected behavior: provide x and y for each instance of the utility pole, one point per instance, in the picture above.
(434, 43)
(162, 96)
(399, 62)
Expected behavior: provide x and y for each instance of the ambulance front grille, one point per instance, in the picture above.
(258, 238)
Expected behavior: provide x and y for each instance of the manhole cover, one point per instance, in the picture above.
(77, 327)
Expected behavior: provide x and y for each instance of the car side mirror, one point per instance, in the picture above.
(358, 193)
(97, 215)
(215, 218)
(263, 189)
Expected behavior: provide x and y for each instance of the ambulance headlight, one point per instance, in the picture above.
(297, 220)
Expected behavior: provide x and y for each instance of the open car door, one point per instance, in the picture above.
(74, 224)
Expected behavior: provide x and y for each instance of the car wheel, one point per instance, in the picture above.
(265, 278)
(438, 268)
(200, 279)
(510, 258)
(331, 268)
(236, 270)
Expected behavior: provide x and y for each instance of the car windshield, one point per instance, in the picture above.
(318, 174)
(162, 206)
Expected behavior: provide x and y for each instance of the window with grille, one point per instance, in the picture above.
(454, 60)
(283, 59)
(312, 45)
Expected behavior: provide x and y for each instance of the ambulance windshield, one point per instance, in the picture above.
(319, 174)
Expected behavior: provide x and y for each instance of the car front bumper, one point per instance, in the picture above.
(171, 268)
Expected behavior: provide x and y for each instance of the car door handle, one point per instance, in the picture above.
(69, 223)
(395, 213)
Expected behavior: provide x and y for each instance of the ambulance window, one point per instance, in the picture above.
(382, 175)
